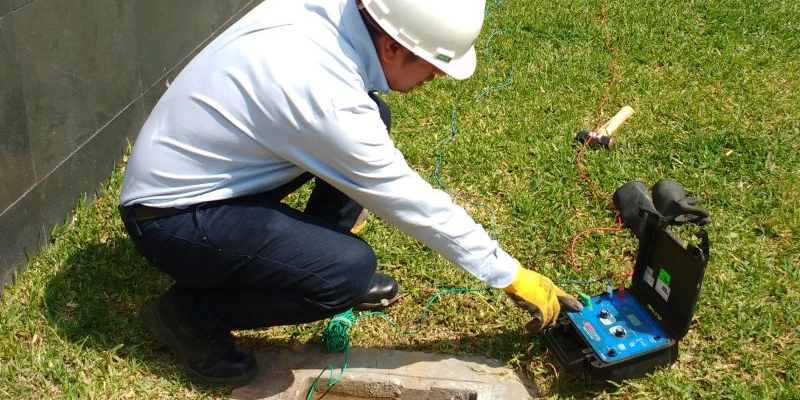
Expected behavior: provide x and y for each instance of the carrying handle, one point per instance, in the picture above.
(571, 365)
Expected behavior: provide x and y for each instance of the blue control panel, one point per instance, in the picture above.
(618, 327)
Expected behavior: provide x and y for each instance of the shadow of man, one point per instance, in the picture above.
(96, 298)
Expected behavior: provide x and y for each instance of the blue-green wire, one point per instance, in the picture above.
(337, 336)
(454, 133)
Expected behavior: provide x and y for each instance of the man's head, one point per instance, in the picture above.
(419, 39)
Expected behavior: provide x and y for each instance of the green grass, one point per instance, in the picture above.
(716, 89)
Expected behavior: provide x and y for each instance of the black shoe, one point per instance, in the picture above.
(207, 358)
(383, 292)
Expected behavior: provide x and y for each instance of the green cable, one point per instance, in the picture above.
(454, 132)
(336, 336)
(579, 282)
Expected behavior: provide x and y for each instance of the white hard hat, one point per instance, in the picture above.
(441, 32)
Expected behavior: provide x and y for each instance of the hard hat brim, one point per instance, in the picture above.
(459, 68)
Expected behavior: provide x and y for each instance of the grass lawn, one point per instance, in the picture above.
(716, 89)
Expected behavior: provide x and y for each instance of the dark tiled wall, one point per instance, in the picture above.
(77, 79)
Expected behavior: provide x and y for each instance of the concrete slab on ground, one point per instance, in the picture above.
(382, 374)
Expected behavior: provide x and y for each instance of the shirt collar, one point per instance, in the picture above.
(354, 30)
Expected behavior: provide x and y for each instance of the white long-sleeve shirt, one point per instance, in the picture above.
(284, 91)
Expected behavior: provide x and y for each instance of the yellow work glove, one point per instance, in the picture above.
(538, 295)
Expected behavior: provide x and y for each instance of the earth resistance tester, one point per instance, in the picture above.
(630, 332)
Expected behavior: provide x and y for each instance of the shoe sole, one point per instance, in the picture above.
(166, 338)
(378, 306)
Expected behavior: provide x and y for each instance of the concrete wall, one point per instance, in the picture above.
(77, 78)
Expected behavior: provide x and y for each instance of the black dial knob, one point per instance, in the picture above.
(604, 313)
(619, 332)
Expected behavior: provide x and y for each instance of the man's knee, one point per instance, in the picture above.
(354, 269)
(359, 261)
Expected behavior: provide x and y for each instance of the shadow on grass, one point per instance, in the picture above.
(573, 382)
(96, 299)
(576, 386)
(563, 383)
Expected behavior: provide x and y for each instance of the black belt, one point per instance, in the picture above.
(141, 213)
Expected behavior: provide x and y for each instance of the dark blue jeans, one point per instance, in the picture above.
(254, 262)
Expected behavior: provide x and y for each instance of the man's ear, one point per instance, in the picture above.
(388, 49)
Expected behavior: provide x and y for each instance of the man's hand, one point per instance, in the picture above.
(538, 295)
